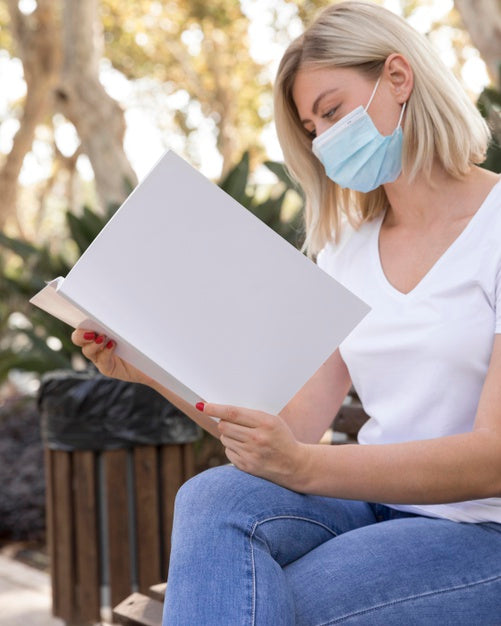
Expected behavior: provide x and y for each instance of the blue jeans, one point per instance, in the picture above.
(248, 552)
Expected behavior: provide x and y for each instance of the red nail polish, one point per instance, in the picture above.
(99, 339)
(89, 335)
(200, 406)
(109, 345)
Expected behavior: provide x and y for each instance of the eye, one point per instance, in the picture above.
(330, 113)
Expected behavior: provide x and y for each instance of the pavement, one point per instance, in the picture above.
(25, 595)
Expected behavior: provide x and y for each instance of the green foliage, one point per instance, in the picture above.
(31, 340)
(271, 208)
(34, 341)
(489, 105)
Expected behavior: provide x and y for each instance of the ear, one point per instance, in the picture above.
(398, 72)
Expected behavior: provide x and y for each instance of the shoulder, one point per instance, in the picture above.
(494, 197)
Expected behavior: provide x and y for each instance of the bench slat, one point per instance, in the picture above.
(86, 536)
(188, 462)
(146, 489)
(119, 550)
(49, 520)
(172, 477)
(64, 561)
(138, 610)
(157, 592)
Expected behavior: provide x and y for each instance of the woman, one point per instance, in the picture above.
(405, 528)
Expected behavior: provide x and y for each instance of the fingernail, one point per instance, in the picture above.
(99, 339)
(200, 406)
(89, 335)
(109, 345)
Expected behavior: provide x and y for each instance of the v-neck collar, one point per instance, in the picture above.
(455, 244)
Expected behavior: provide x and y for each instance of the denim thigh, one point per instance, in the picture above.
(415, 571)
(247, 551)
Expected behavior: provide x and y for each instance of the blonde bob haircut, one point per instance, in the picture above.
(441, 122)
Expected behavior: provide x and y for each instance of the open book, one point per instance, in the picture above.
(202, 296)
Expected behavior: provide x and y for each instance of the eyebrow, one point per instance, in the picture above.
(318, 99)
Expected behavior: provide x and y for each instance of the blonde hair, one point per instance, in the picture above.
(441, 121)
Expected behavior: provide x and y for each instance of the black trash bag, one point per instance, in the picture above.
(89, 411)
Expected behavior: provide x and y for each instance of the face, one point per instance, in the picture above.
(324, 96)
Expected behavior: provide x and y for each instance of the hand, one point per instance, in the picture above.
(101, 351)
(260, 444)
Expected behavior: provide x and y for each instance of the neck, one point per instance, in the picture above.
(422, 201)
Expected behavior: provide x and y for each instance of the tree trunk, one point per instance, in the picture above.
(482, 20)
(60, 45)
(36, 38)
(82, 99)
(223, 103)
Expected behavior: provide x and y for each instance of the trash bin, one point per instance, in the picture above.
(115, 455)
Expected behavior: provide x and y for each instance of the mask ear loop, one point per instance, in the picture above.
(372, 98)
(373, 94)
(401, 114)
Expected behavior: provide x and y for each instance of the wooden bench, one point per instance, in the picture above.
(140, 609)
(109, 520)
(145, 609)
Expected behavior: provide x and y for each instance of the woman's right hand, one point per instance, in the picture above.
(101, 351)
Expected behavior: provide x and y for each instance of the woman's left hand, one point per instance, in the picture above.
(260, 444)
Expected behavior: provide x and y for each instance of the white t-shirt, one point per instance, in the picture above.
(418, 360)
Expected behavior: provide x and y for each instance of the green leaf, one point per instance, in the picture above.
(282, 174)
(236, 181)
(79, 231)
(93, 222)
(18, 246)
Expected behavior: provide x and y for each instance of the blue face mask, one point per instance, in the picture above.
(356, 155)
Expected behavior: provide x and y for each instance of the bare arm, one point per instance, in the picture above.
(446, 469)
(311, 411)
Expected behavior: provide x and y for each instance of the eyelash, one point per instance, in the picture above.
(330, 112)
(312, 134)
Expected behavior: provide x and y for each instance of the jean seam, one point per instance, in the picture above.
(407, 599)
(251, 536)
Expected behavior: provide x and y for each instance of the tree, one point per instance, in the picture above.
(82, 99)
(482, 20)
(196, 47)
(58, 45)
(199, 47)
(34, 39)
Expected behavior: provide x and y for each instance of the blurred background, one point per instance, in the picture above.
(91, 94)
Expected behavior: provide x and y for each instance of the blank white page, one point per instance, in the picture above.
(208, 292)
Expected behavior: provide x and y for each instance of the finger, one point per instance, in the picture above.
(93, 348)
(105, 359)
(234, 432)
(233, 456)
(82, 336)
(234, 414)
